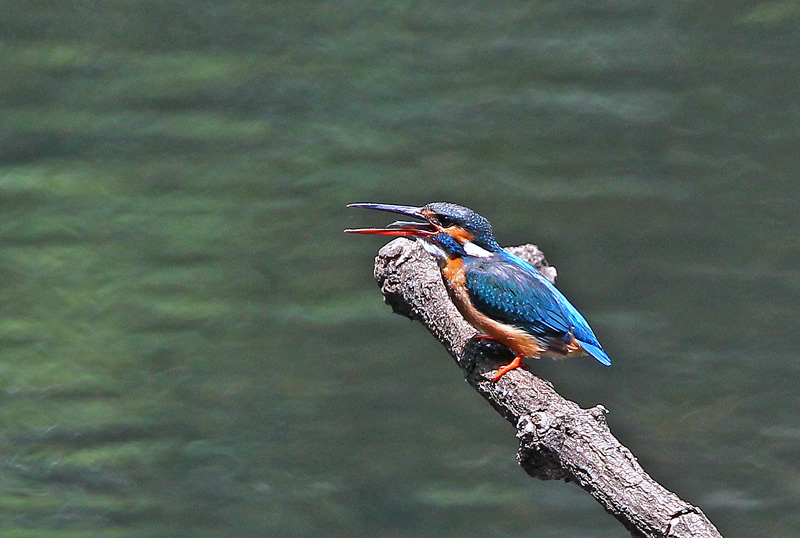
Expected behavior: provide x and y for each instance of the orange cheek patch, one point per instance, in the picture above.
(459, 234)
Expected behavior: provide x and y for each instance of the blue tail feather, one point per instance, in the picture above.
(596, 351)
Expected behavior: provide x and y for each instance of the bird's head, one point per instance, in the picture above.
(447, 231)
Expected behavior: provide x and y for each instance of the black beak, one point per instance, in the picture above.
(398, 228)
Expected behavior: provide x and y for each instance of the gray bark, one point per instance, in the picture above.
(557, 438)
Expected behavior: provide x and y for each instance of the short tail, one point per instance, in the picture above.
(596, 351)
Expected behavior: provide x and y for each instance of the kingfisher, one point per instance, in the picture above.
(504, 297)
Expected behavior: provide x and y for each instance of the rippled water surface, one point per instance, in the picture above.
(191, 347)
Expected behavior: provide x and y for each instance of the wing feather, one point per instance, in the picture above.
(506, 292)
(512, 291)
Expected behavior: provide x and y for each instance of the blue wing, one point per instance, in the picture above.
(512, 291)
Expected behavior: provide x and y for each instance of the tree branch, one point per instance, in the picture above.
(557, 438)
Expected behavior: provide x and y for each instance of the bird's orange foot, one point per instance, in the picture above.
(516, 363)
(480, 336)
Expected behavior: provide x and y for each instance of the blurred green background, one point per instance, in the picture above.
(191, 347)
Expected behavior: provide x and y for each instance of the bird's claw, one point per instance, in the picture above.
(516, 363)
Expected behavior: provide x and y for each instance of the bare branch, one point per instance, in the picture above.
(558, 439)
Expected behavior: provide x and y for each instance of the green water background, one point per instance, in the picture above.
(191, 347)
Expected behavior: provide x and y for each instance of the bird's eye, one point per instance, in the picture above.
(445, 221)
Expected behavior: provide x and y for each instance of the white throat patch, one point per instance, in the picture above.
(434, 250)
(474, 250)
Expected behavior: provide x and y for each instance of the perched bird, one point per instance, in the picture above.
(504, 297)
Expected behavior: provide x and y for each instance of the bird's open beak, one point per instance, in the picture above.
(400, 227)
